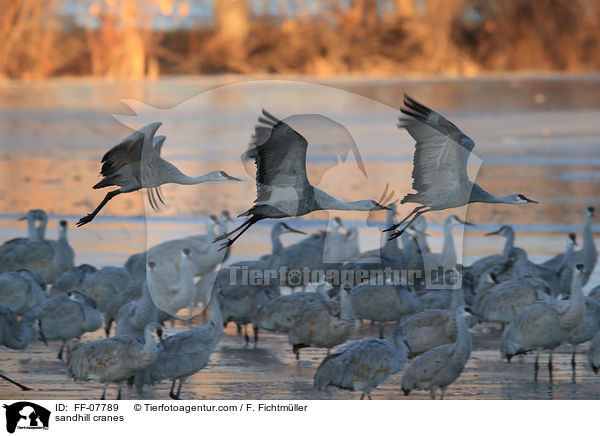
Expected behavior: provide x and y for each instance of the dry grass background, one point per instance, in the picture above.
(340, 38)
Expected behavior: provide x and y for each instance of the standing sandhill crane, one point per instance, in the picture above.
(68, 316)
(278, 313)
(431, 328)
(545, 325)
(72, 279)
(49, 259)
(35, 231)
(440, 166)
(21, 291)
(240, 304)
(363, 365)
(586, 329)
(113, 360)
(496, 263)
(383, 303)
(135, 163)
(185, 353)
(133, 317)
(104, 285)
(283, 189)
(322, 324)
(594, 353)
(506, 300)
(18, 334)
(441, 366)
(588, 255)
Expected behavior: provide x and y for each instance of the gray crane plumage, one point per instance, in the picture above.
(588, 255)
(432, 328)
(545, 325)
(322, 324)
(47, 258)
(104, 285)
(441, 366)
(594, 354)
(363, 365)
(17, 335)
(116, 359)
(21, 291)
(72, 279)
(440, 165)
(68, 316)
(383, 303)
(135, 163)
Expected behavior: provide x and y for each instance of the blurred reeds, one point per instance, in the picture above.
(453, 37)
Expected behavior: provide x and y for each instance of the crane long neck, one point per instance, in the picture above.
(41, 229)
(573, 315)
(150, 351)
(216, 317)
(589, 251)
(448, 251)
(480, 195)
(32, 232)
(463, 345)
(401, 351)
(510, 241)
(458, 300)
(183, 179)
(276, 245)
(347, 313)
(145, 310)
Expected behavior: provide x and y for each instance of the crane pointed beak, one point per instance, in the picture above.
(23, 218)
(228, 177)
(497, 232)
(532, 201)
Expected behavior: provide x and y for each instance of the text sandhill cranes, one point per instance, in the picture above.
(363, 365)
(135, 164)
(283, 189)
(116, 359)
(440, 166)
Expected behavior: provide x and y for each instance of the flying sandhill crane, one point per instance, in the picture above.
(47, 258)
(545, 325)
(186, 353)
(18, 334)
(135, 163)
(440, 166)
(441, 366)
(283, 189)
(113, 360)
(363, 365)
(68, 316)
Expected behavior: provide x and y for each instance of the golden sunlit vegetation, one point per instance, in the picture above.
(119, 38)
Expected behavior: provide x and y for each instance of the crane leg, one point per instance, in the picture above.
(395, 226)
(179, 388)
(171, 393)
(443, 392)
(362, 396)
(536, 366)
(104, 391)
(550, 366)
(239, 329)
(381, 327)
(399, 232)
(573, 363)
(62, 346)
(23, 387)
(89, 217)
(246, 337)
(255, 328)
(432, 392)
(119, 392)
(230, 242)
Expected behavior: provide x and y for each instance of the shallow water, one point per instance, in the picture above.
(537, 136)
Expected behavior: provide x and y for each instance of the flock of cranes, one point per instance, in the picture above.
(539, 307)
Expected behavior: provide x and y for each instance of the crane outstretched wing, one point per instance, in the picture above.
(442, 149)
(280, 156)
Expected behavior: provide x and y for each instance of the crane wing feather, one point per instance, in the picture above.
(441, 151)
